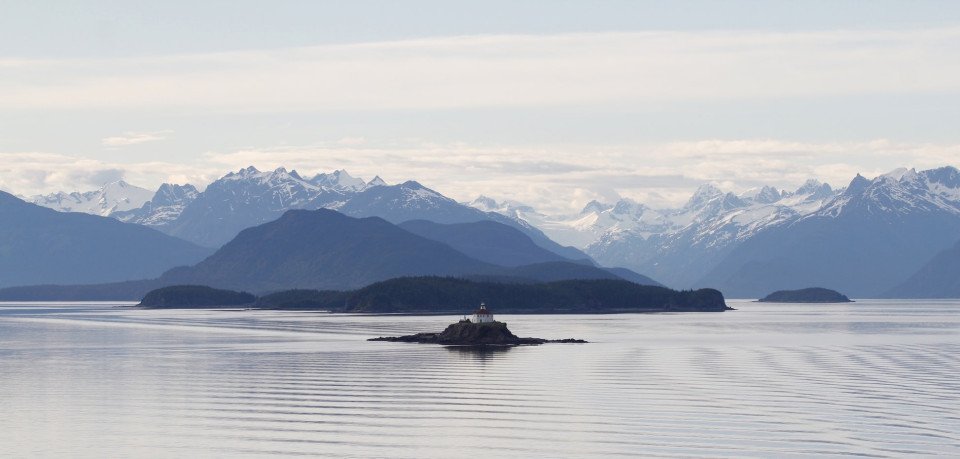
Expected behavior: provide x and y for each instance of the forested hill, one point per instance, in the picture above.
(453, 295)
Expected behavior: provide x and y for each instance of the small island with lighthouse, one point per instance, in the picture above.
(478, 330)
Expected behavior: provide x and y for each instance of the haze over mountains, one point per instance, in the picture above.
(862, 239)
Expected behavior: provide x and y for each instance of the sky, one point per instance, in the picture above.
(549, 103)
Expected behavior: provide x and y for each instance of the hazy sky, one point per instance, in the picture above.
(546, 102)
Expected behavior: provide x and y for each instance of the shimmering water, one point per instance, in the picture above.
(867, 379)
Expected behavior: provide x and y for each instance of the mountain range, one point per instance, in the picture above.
(327, 250)
(863, 239)
(324, 249)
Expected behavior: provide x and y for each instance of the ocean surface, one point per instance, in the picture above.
(868, 379)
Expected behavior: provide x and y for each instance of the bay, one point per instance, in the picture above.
(872, 378)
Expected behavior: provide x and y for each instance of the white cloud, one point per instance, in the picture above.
(502, 71)
(133, 138)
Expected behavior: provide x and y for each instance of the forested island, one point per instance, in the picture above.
(806, 295)
(195, 296)
(436, 295)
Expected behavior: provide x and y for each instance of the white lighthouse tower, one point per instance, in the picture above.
(482, 315)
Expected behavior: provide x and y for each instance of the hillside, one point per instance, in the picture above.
(487, 241)
(322, 249)
(938, 278)
(43, 246)
(870, 237)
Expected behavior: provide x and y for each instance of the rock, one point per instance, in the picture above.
(466, 333)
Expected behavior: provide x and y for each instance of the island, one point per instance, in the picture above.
(450, 295)
(480, 330)
(195, 296)
(806, 295)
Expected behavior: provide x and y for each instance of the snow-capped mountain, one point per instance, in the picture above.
(676, 246)
(863, 241)
(339, 180)
(112, 197)
(251, 197)
(166, 205)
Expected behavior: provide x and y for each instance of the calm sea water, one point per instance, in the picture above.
(876, 379)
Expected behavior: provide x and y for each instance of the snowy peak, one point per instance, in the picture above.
(703, 195)
(339, 180)
(900, 174)
(900, 192)
(763, 195)
(485, 204)
(595, 207)
(813, 190)
(377, 181)
(170, 194)
(112, 197)
(629, 207)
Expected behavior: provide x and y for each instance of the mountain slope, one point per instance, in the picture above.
(412, 201)
(938, 278)
(43, 246)
(871, 237)
(245, 199)
(323, 249)
(111, 198)
(163, 208)
(487, 241)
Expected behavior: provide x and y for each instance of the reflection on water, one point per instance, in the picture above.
(479, 352)
(871, 378)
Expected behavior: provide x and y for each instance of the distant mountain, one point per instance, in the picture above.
(245, 199)
(677, 246)
(111, 198)
(862, 242)
(323, 249)
(163, 208)
(43, 246)
(249, 197)
(938, 278)
(412, 201)
(487, 241)
(684, 244)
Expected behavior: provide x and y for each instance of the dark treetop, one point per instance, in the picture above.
(432, 295)
(195, 296)
(806, 295)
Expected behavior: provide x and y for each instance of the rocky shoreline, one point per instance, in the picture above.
(466, 333)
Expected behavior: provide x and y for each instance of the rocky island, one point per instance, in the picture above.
(480, 330)
(806, 295)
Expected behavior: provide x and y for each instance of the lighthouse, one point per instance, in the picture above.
(482, 315)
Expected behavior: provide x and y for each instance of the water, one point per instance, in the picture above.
(865, 379)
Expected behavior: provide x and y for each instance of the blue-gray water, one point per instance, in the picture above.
(865, 379)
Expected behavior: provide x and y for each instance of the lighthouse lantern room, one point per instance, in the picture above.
(482, 315)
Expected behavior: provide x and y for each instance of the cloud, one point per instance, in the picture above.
(502, 71)
(133, 138)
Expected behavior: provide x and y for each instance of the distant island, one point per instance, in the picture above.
(479, 330)
(806, 295)
(436, 295)
(195, 296)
